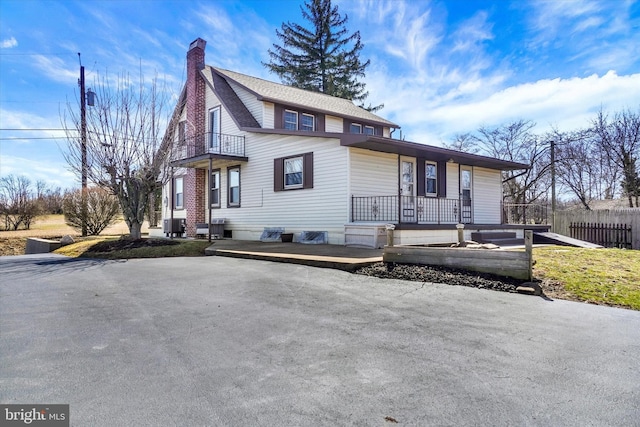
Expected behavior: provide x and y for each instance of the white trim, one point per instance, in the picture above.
(313, 122)
(284, 171)
(290, 122)
(358, 125)
(427, 178)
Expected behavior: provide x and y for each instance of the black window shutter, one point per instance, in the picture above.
(278, 174)
(421, 176)
(442, 179)
(308, 171)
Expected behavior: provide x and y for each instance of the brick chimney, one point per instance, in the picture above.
(194, 181)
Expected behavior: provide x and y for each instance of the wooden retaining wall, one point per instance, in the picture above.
(517, 263)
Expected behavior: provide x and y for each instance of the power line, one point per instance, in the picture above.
(35, 130)
(29, 139)
(37, 54)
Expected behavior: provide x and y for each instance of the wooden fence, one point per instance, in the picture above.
(607, 235)
(629, 217)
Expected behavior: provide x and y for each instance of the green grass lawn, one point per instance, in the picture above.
(600, 276)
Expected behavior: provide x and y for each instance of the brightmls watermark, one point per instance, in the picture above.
(34, 415)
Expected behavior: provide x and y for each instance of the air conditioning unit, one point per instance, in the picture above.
(173, 226)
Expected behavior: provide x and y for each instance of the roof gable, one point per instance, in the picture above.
(288, 95)
(234, 105)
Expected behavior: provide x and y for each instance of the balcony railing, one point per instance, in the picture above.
(517, 213)
(210, 143)
(411, 209)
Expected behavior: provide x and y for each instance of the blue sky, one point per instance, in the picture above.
(440, 67)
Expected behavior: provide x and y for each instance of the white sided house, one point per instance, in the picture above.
(258, 154)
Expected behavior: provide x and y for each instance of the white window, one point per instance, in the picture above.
(431, 178)
(293, 172)
(291, 120)
(355, 128)
(215, 189)
(179, 193)
(233, 183)
(307, 123)
(369, 130)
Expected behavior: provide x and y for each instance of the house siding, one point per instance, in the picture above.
(487, 196)
(373, 173)
(321, 208)
(333, 124)
(268, 114)
(252, 103)
(227, 125)
(453, 181)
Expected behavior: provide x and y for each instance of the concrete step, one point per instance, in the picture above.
(506, 242)
(488, 236)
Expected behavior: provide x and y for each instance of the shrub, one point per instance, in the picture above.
(102, 210)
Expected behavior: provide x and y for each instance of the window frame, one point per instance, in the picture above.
(213, 189)
(304, 127)
(178, 197)
(231, 203)
(301, 172)
(373, 130)
(285, 122)
(279, 173)
(355, 125)
(427, 178)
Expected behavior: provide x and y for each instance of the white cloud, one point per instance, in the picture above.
(56, 69)
(564, 103)
(55, 172)
(9, 43)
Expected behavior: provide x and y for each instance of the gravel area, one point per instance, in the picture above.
(434, 274)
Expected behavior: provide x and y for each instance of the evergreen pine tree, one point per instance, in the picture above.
(323, 59)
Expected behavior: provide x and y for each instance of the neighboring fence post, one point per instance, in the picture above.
(528, 245)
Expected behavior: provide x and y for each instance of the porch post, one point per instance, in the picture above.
(171, 201)
(398, 175)
(208, 195)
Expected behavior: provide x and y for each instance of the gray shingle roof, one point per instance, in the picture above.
(315, 101)
(238, 111)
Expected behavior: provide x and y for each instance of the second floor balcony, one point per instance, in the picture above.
(196, 151)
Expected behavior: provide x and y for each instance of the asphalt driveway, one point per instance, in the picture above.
(229, 342)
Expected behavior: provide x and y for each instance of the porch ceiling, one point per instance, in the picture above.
(414, 149)
(202, 161)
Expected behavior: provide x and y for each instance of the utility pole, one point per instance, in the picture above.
(553, 186)
(83, 147)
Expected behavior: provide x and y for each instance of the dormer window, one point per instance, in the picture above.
(369, 130)
(307, 123)
(355, 128)
(291, 120)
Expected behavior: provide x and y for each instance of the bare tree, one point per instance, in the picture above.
(515, 142)
(582, 168)
(619, 138)
(464, 142)
(124, 151)
(18, 205)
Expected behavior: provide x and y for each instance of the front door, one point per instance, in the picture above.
(466, 185)
(408, 190)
